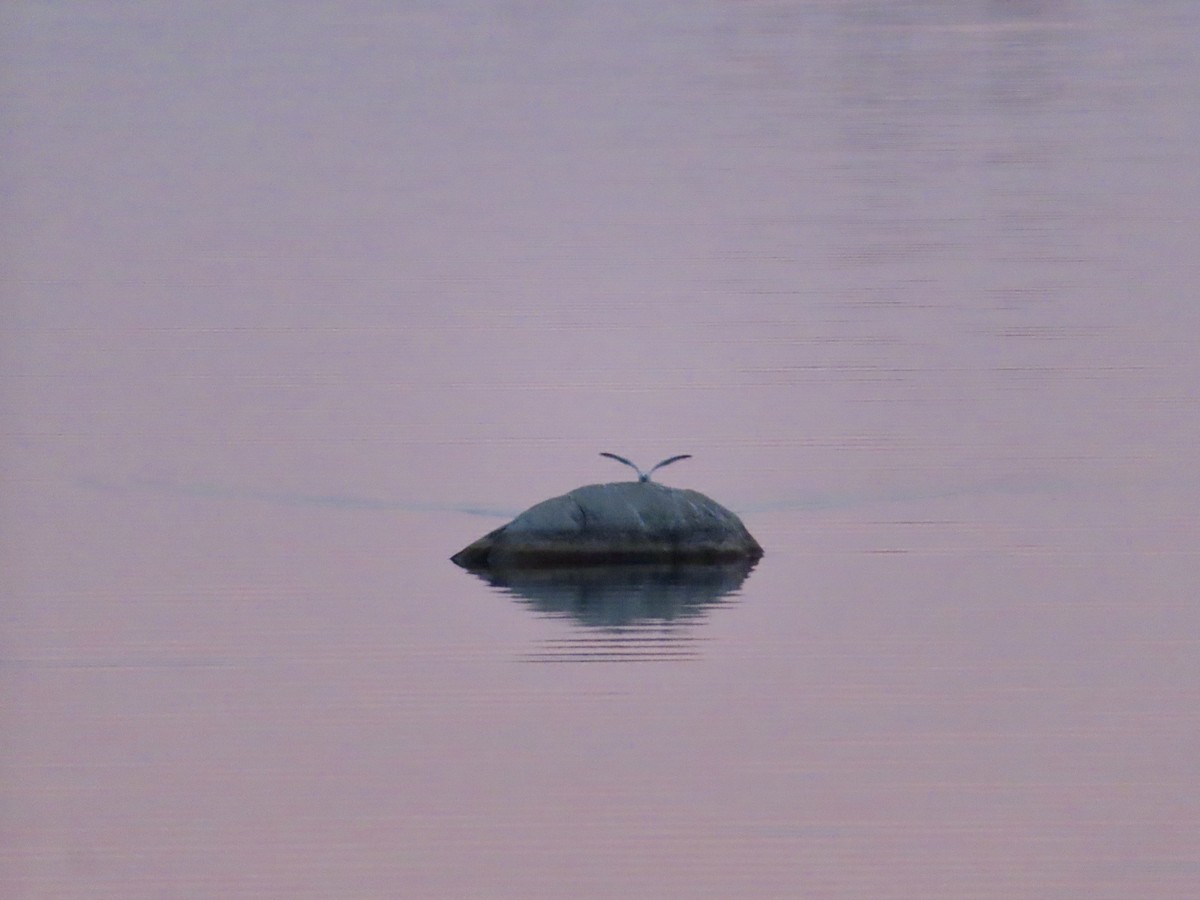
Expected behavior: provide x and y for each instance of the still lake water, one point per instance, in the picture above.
(300, 298)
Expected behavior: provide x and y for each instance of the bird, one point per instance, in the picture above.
(645, 476)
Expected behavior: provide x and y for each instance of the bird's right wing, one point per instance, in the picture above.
(668, 461)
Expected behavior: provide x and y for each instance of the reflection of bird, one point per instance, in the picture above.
(645, 476)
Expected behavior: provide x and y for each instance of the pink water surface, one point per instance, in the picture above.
(300, 298)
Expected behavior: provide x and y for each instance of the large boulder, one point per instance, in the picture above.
(622, 522)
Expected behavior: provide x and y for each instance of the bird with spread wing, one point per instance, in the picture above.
(645, 476)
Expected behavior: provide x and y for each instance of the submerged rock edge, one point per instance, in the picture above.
(615, 524)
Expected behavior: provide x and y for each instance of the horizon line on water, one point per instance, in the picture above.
(218, 491)
(812, 502)
(851, 500)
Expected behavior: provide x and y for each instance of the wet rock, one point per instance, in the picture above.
(622, 522)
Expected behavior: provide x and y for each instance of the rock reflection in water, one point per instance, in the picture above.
(628, 613)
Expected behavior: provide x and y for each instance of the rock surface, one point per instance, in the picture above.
(622, 522)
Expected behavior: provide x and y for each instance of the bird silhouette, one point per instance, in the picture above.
(645, 476)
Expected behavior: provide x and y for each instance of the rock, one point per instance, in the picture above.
(622, 522)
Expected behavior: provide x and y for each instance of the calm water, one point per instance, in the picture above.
(302, 298)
